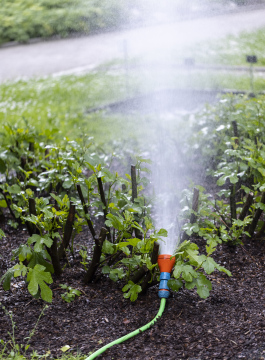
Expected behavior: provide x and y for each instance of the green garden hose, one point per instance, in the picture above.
(133, 333)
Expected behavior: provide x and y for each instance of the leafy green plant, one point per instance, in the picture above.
(231, 149)
(189, 269)
(70, 293)
(84, 255)
(51, 219)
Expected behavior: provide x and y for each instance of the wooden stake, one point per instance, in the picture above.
(134, 182)
(195, 205)
(233, 201)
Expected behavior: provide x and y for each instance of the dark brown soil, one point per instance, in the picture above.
(230, 324)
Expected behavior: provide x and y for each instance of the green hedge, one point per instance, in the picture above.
(21, 20)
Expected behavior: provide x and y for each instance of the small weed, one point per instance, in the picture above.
(84, 255)
(70, 293)
(11, 349)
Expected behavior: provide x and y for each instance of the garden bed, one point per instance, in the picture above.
(48, 192)
(229, 324)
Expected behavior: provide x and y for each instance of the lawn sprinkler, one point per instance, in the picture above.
(165, 263)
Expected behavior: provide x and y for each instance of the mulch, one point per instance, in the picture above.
(229, 324)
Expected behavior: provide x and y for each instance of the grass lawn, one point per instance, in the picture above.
(232, 50)
(60, 105)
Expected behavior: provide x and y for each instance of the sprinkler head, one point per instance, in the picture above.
(165, 263)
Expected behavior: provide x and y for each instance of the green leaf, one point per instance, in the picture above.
(38, 278)
(162, 232)
(20, 270)
(116, 274)
(14, 189)
(222, 180)
(211, 247)
(40, 241)
(33, 182)
(135, 260)
(25, 252)
(233, 179)
(108, 247)
(132, 242)
(67, 184)
(260, 206)
(203, 286)
(191, 228)
(7, 277)
(2, 166)
(132, 290)
(2, 234)
(188, 273)
(209, 265)
(3, 204)
(175, 284)
(223, 269)
(40, 258)
(195, 259)
(262, 171)
(190, 285)
(65, 348)
(63, 286)
(114, 221)
(106, 269)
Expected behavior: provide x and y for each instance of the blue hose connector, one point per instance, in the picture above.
(163, 287)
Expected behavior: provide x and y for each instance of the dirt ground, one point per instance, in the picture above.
(230, 324)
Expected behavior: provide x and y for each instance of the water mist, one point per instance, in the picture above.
(170, 170)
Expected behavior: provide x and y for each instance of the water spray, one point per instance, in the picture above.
(165, 263)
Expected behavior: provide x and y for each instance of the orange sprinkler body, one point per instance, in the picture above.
(165, 263)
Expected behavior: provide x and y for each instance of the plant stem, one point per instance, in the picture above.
(103, 199)
(256, 217)
(234, 124)
(233, 201)
(96, 256)
(148, 277)
(89, 222)
(32, 211)
(195, 205)
(248, 203)
(67, 231)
